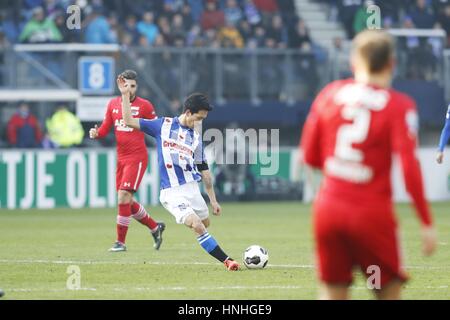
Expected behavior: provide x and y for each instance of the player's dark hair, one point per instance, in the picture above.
(376, 47)
(196, 102)
(129, 75)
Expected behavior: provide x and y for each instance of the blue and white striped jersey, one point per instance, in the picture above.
(445, 134)
(180, 149)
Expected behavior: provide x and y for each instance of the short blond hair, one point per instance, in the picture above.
(375, 48)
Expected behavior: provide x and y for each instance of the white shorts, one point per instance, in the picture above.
(184, 200)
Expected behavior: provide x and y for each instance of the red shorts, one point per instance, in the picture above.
(348, 236)
(129, 174)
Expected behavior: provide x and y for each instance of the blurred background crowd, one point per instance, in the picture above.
(281, 54)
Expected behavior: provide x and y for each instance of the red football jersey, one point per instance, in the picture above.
(130, 142)
(351, 134)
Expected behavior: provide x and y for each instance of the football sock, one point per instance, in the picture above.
(210, 245)
(123, 221)
(138, 212)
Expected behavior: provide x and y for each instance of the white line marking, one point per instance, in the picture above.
(96, 262)
(177, 288)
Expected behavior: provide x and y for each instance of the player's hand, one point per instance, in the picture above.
(439, 157)
(216, 208)
(123, 86)
(93, 132)
(429, 240)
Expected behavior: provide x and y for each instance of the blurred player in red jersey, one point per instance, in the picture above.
(351, 133)
(132, 160)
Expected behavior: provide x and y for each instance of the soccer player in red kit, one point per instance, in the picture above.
(351, 133)
(131, 162)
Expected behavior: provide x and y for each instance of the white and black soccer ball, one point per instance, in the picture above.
(255, 257)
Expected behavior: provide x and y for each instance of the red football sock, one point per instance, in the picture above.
(123, 221)
(141, 215)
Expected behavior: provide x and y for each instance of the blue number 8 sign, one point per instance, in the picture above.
(96, 75)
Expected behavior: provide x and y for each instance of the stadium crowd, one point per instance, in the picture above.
(420, 14)
(220, 24)
(179, 23)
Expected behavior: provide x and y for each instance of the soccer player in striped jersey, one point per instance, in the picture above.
(182, 165)
(445, 135)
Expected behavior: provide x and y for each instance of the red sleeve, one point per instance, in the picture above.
(12, 130)
(404, 142)
(149, 111)
(310, 140)
(107, 123)
(311, 136)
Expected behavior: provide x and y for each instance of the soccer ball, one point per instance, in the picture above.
(256, 257)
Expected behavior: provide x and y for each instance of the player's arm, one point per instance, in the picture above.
(445, 135)
(404, 135)
(128, 119)
(209, 188)
(105, 127)
(310, 139)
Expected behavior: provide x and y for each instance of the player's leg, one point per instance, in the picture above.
(198, 204)
(206, 222)
(333, 292)
(333, 254)
(380, 258)
(139, 213)
(176, 201)
(124, 198)
(391, 290)
(207, 241)
(133, 173)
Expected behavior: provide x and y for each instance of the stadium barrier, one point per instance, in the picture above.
(85, 178)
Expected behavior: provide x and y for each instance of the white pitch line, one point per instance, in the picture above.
(97, 262)
(47, 290)
(177, 288)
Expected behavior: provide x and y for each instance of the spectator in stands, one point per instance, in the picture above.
(165, 30)
(178, 29)
(211, 40)
(230, 37)
(40, 29)
(422, 15)
(194, 37)
(212, 18)
(65, 128)
(97, 28)
(148, 28)
(233, 13)
(245, 30)
(277, 32)
(188, 20)
(11, 24)
(196, 9)
(130, 28)
(299, 38)
(23, 129)
(259, 37)
(251, 13)
(267, 8)
(347, 11)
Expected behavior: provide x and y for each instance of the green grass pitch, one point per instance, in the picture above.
(38, 246)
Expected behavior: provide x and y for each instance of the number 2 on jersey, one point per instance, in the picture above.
(355, 132)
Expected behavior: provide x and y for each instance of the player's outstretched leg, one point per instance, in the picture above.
(208, 243)
(156, 228)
